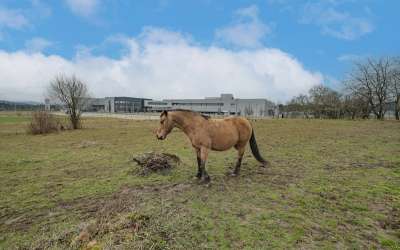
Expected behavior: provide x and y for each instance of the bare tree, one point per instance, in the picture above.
(395, 87)
(72, 93)
(371, 88)
(325, 102)
(304, 103)
(299, 103)
(371, 80)
(354, 106)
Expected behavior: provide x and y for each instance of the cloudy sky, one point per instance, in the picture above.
(190, 49)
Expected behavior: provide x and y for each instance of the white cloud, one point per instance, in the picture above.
(83, 8)
(335, 23)
(37, 44)
(19, 19)
(14, 19)
(161, 64)
(246, 31)
(348, 57)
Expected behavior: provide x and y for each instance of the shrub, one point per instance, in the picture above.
(42, 123)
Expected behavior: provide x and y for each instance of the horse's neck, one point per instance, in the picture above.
(185, 123)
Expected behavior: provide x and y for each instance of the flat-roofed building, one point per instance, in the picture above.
(225, 104)
(94, 105)
(118, 104)
(157, 106)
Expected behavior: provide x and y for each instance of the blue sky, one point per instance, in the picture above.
(276, 48)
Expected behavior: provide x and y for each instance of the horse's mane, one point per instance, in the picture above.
(192, 112)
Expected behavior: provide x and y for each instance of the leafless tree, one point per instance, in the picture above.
(354, 106)
(395, 87)
(300, 103)
(72, 93)
(372, 80)
(325, 102)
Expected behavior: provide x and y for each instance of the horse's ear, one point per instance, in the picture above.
(164, 113)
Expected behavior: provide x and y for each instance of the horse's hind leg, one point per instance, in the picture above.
(239, 160)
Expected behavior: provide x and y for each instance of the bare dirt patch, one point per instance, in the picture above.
(392, 220)
(117, 214)
(379, 164)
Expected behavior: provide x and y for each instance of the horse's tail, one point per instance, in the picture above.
(254, 149)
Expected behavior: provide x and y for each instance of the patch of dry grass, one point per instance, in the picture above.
(43, 123)
(332, 184)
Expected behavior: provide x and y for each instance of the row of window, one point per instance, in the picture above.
(158, 103)
(197, 104)
(126, 102)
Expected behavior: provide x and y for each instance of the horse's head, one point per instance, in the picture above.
(166, 125)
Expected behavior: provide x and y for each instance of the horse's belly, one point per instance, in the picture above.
(220, 147)
(224, 140)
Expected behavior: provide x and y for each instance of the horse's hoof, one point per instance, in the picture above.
(266, 164)
(205, 179)
(234, 174)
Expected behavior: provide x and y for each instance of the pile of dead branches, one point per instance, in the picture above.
(154, 162)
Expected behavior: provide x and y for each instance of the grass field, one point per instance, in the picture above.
(332, 185)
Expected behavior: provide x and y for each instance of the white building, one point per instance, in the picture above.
(225, 104)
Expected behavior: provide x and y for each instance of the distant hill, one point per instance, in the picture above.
(20, 106)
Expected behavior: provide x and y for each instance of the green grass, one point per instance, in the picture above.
(332, 184)
(13, 118)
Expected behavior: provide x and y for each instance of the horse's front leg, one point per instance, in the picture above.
(205, 178)
(199, 173)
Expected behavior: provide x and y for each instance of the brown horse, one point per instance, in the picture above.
(208, 134)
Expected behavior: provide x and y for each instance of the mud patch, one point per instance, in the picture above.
(379, 164)
(155, 162)
(19, 221)
(392, 221)
(85, 144)
(125, 200)
(121, 213)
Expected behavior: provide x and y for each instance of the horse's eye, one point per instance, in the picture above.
(162, 122)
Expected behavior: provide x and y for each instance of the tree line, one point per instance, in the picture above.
(370, 89)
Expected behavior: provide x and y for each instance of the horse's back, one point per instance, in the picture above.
(241, 123)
